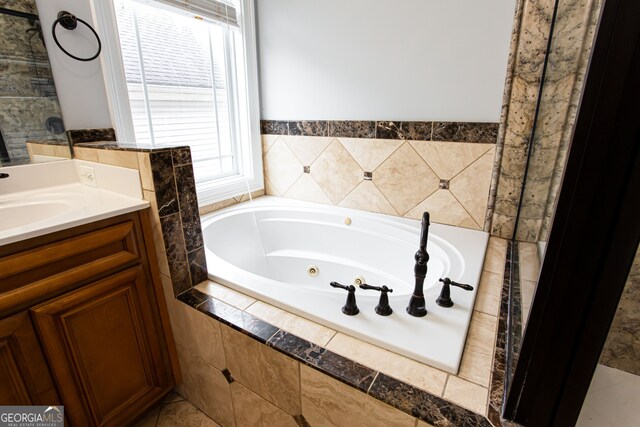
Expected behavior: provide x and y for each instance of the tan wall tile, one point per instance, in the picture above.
(254, 411)
(271, 375)
(305, 188)
(281, 166)
(88, 154)
(179, 414)
(197, 333)
(306, 148)
(496, 254)
(448, 159)
(206, 388)
(125, 159)
(367, 196)
(466, 394)
(336, 172)
(416, 373)
(370, 153)
(327, 402)
(471, 186)
(444, 209)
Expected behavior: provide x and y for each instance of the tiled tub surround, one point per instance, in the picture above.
(263, 248)
(48, 149)
(245, 362)
(77, 136)
(575, 24)
(167, 180)
(390, 176)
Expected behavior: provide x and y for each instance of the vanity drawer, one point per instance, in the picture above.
(44, 267)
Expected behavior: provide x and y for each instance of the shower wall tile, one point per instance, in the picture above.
(568, 53)
(28, 6)
(405, 176)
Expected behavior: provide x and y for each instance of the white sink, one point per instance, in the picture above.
(18, 214)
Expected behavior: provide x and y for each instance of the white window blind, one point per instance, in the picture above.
(181, 79)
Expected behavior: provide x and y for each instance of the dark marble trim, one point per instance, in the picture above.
(405, 397)
(124, 146)
(471, 132)
(506, 337)
(91, 135)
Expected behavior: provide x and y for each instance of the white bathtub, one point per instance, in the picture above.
(264, 248)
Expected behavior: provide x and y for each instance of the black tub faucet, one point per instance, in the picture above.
(350, 308)
(444, 300)
(383, 308)
(417, 304)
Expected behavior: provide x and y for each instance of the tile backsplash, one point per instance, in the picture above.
(391, 175)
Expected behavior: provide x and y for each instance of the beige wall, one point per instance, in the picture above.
(406, 175)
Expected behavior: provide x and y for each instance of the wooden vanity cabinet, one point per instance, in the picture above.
(84, 323)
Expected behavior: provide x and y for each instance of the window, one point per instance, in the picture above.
(181, 75)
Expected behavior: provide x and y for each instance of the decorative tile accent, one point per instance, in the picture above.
(274, 127)
(308, 128)
(227, 376)
(444, 184)
(484, 133)
(386, 129)
(91, 135)
(352, 129)
(306, 169)
(368, 176)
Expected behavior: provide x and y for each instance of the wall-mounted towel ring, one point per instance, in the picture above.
(69, 21)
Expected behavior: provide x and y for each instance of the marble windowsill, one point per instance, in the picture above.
(415, 388)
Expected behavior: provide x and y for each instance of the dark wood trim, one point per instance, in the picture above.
(594, 236)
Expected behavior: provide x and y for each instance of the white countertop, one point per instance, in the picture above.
(66, 203)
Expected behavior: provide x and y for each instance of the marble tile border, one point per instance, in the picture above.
(91, 135)
(400, 395)
(485, 133)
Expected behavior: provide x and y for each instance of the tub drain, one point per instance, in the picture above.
(313, 270)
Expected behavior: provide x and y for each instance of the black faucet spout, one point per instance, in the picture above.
(417, 304)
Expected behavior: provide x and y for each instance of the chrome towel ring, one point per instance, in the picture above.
(69, 21)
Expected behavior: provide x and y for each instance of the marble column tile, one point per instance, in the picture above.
(486, 133)
(274, 127)
(352, 129)
(188, 203)
(176, 253)
(181, 156)
(225, 294)
(308, 128)
(197, 266)
(91, 135)
(206, 388)
(424, 406)
(389, 130)
(254, 411)
(164, 182)
(197, 333)
(329, 402)
(156, 232)
(266, 372)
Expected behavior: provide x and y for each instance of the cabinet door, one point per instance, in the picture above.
(24, 375)
(104, 348)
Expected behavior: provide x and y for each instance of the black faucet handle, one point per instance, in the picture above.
(338, 285)
(448, 281)
(382, 288)
(350, 308)
(383, 308)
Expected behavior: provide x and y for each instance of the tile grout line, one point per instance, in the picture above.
(372, 382)
(444, 388)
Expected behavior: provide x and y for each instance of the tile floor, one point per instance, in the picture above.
(174, 411)
(612, 400)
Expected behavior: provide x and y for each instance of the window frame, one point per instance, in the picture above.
(117, 93)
